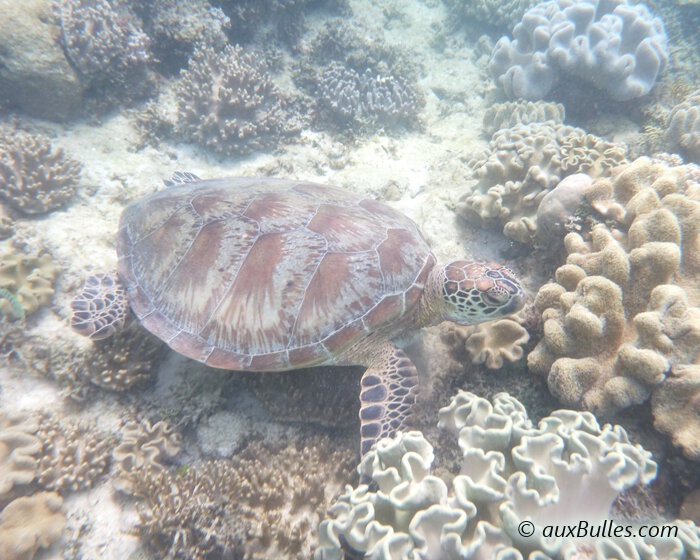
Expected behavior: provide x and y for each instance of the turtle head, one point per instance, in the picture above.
(477, 291)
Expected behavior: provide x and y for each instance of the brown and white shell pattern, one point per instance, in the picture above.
(268, 274)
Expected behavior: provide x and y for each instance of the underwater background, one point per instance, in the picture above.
(561, 138)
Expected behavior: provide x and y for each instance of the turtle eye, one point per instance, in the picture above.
(494, 297)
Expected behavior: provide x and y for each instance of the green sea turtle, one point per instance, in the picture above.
(263, 274)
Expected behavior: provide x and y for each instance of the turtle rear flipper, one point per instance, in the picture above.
(388, 393)
(100, 309)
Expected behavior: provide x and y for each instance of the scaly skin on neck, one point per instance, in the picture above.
(430, 309)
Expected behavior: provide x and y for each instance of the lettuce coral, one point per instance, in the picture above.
(563, 470)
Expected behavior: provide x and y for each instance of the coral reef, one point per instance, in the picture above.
(36, 176)
(105, 44)
(72, 457)
(266, 502)
(19, 450)
(496, 13)
(118, 363)
(566, 469)
(28, 279)
(524, 162)
(511, 113)
(621, 318)
(556, 213)
(35, 75)
(56, 455)
(143, 446)
(275, 20)
(683, 128)
(676, 407)
(491, 343)
(176, 27)
(345, 96)
(30, 523)
(227, 102)
(618, 47)
(316, 395)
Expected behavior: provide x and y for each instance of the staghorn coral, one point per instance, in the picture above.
(491, 343)
(511, 113)
(566, 469)
(683, 127)
(622, 316)
(618, 47)
(29, 280)
(72, 457)
(264, 503)
(36, 176)
(30, 523)
(227, 102)
(524, 162)
(143, 445)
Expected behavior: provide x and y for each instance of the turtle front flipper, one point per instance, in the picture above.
(388, 393)
(100, 309)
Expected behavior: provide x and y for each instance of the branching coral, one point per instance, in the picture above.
(622, 313)
(118, 363)
(345, 96)
(566, 469)
(616, 46)
(29, 281)
(227, 101)
(36, 176)
(524, 163)
(103, 44)
(264, 503)
(72, 457)
(30, 523)
(314, 395)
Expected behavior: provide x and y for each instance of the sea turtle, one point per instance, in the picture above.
(263, 274)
